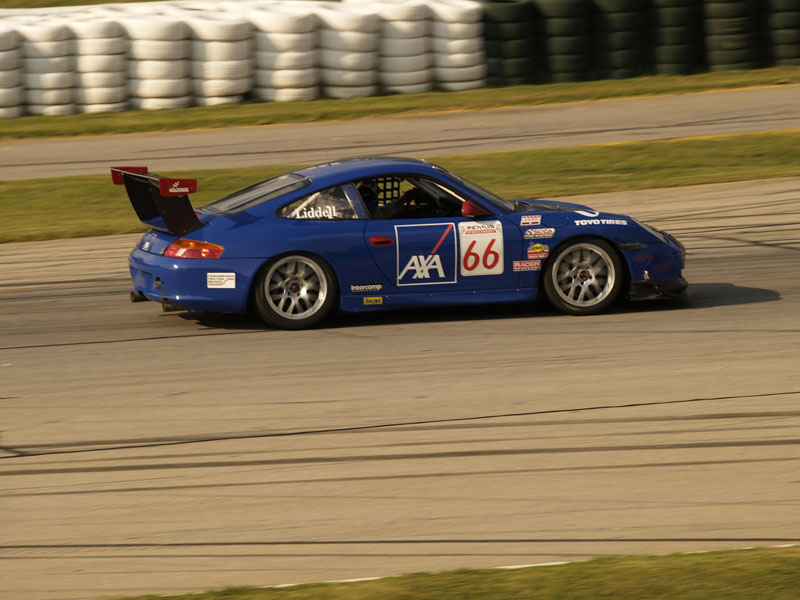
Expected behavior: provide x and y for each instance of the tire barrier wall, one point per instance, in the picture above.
(12, 100)
(350, 52)
(781, 26)
(732, 34)
(165, 55)
(574, 40)
(508, 29)
(619, 38)
(676, 33)
(174, 54)
(405, 48)
(427, 45)
(101, 79)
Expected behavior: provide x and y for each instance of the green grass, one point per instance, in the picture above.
(758, 574)
(90, 205)
(50, 3)
(355, 108)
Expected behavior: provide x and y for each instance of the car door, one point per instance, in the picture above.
(430, 248)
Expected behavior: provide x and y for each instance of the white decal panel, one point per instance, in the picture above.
(481, 248)
(221, 281)
(530, 220)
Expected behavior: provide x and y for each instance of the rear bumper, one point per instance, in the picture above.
(217, 285)
(650, 288)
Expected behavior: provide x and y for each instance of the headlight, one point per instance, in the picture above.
(651, 230)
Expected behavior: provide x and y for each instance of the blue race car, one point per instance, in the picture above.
(376, 233)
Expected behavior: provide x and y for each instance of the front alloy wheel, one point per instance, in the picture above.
(584, 277)
(295, 291)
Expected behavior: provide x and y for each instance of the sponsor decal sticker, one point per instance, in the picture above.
(581, 222)
(536, 234)
(481, 248)
(536, 250)
(587, 213)
(176, 187)
(366, 287)
(530, 220)
(426, 254)
(318, 213)
(527, 265)
(373, 300)
(221, 280)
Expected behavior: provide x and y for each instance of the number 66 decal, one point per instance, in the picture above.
(481, 248)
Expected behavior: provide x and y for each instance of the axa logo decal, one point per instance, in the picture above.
(422, 266)
(426, 254)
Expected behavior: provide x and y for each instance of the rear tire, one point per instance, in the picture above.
(295, 291)
(583, 277)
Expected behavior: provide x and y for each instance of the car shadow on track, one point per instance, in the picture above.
(704, 295)
(701, 295)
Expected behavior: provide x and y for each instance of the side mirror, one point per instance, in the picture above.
(470, 209)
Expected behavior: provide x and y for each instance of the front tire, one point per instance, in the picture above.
(583, 277)
(295, 291)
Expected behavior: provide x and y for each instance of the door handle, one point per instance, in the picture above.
(379, 240)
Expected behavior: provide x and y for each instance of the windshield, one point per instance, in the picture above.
(504, 205)
(258, 193)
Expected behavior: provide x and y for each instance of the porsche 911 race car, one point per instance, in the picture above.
(378, 233)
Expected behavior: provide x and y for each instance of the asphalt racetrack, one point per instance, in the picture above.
(617, 120)
(144, 452)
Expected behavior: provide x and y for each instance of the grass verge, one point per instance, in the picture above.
(90, 205)
(16, 4)
(761, 573)
(354, 108)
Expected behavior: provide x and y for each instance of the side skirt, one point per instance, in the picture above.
(382, 301)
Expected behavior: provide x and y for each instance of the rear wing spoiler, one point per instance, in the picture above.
(160, 202)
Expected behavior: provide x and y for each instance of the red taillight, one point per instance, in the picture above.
(182, 248)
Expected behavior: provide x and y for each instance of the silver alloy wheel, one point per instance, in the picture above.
(295, 287)
(583, 275)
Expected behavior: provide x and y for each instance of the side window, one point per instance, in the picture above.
(397, 197)
(331, 203)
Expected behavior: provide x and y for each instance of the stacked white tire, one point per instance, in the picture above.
(349, 39)
(49, 66)
(221, 66)
(458, 46)
(11, 91)
(158, 62)
(406, 57)
(286, 56)
(100, 65)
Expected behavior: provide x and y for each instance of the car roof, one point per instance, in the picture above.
(368, 166)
